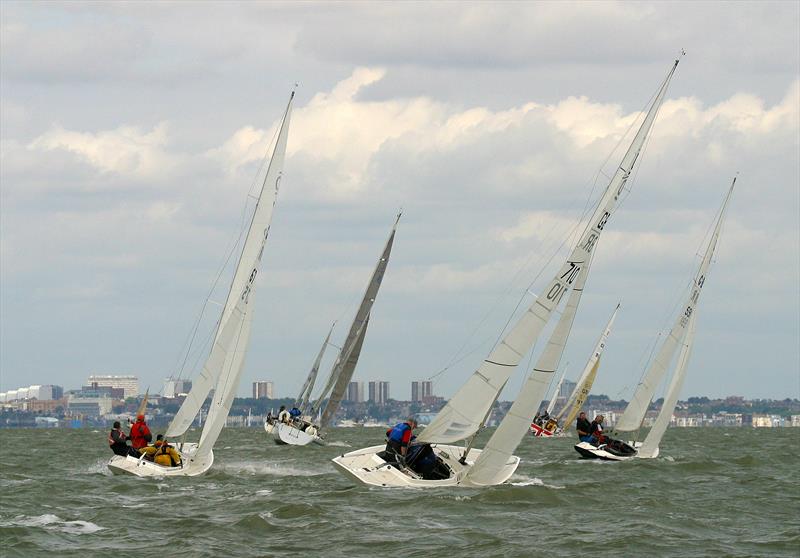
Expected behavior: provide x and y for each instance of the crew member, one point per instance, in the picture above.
(596, 428)
(400, 437)
(167, 456)
(584, 427)
(117, 440)
(283, 415)
(310, 430)
(140, 434)
(150, 451)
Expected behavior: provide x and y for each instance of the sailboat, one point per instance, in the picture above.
(681, 335)
(463, 417)
(555, 425)
(304, 430)
(223, 367)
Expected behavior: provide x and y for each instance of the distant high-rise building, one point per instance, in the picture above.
(42, 393)
(566, 388)
(262, 389)
(421, 389)
(355, 392)
(174, 388)
(379, 392)
(129, 384)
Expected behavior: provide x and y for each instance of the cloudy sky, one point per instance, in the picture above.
(131, 134)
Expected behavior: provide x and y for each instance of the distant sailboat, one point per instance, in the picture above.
(681, 335)
(305, 430)
(465, 414)
(555, 425)
(223, 366)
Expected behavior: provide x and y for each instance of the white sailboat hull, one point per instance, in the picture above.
(365, 466)
(127, 465)
(286, 434)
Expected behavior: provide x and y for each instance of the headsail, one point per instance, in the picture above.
(224, 375)
(351, 349)
(634, 414)
(463, 415)
(501, 446)
(650, 445)
(308, 386)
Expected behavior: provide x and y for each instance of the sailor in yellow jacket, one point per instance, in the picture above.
(167, 456)
(150, 451)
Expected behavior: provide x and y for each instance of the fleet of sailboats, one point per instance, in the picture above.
(451, 434)
(465, 414)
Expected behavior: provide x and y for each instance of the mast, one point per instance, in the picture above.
(462, 415)
(637, 408)
(224, 363)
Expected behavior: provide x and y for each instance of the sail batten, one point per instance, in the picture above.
(473, 402)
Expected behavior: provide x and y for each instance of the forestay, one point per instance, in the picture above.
(464, 414)
(634, 414)
(650, 445)
(223, 374)
(351, 349)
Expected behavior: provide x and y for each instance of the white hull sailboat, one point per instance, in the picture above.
(465, 415)
(223, 367)
(681, 335)
(367, 466)
(294, 433)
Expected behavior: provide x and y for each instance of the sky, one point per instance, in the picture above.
(131, 133)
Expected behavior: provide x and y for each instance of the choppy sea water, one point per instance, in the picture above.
(713, 492)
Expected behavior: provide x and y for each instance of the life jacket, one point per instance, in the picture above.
(140, 435)
(396, 433)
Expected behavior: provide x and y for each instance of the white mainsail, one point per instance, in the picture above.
(650, 445)
(308, 386)
(464, 414)
(501, 446)
(224, 364)
(634, 413)
(345, 365)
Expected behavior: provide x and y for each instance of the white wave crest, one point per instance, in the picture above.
(521, 480)
(55, 523)
(339, 444)
(274, 469)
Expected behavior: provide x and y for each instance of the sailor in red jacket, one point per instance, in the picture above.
(140, 433)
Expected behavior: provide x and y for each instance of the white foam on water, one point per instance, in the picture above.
(54, 523)
(521, 480)
(339, 444)
(265, 515)
(274, 469)
(265, 492)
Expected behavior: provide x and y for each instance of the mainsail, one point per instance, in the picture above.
(650, 445)
(345, 365)
(224, 364)
(308, 386)
(464, 414)
(634, 414)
